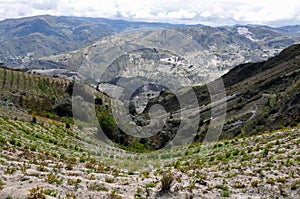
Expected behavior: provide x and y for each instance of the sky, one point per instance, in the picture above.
(207, 12)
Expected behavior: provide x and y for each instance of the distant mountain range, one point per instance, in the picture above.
(24, 39)
(218, 48)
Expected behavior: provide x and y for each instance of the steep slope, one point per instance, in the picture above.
(260, 96)
(272, 86)
(32, 92)
(46, 159)
(47, 96)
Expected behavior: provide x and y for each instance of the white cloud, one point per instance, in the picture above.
(210, 12)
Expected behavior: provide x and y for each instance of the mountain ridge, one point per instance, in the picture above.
(27, 38)
(264, 99)
(219, 50)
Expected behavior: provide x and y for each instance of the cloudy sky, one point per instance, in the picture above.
(208, 12)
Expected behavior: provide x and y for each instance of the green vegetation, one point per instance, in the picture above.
(109, 180)
(40, 95)
(42, 149)
(1, 184)
(57, 163)
(114, 195)
(37, 193)
(166, 181)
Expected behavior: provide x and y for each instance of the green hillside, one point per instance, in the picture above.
(33, 92)
(45, 159)
(47, 96)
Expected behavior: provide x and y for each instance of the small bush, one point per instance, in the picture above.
(51, 178)
(50, 192)
(34, 120)
(2, 140)
(97, 187)
(69, 167)
(68, 125)
(109, 180)
(113, 194)
(166, 181)
(265, 153)
(12, 141)
(226, 194)
(138, 193)
(281, 180)
(270, 181)
(1, 184)
(70, 195)
(254, 183)
(73, 182)
(10, 170)
(37, 193)
(235, 152)
(223, 187)
(33, 148)
(239, 185)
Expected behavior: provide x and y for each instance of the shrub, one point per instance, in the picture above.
(281, 180)
(37, 193)
(235, 152)
(223, 187)
(98, 101)
(33, 147)
(70, 195)
(73, 182)
(270, 181)
(2, 140)
(109, 180)
(69, 167)
(68, 125)
(50, 192)
(138, 193)
(239, 185)
(254, 183)
(51, 178)
(10, 170)
(1, 184)
(113, 194)
(226, 194)
(166, 181)
(97, 187)
(34, 120)
(265, 153)
(108, 124)
(12, 141)
(42, 168)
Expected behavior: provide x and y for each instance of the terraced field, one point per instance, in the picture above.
(43, 158)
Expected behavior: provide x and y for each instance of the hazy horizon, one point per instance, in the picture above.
(204, 12)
